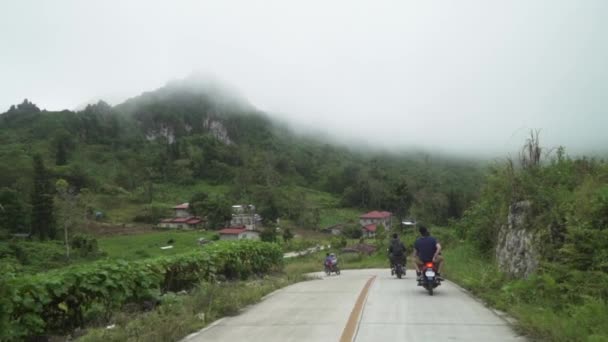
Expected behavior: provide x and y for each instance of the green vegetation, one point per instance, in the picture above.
(139, 158)
(566, 298)
(545, 306)
(138, 246)
(58, 301)
(180, 315)
(128, 164)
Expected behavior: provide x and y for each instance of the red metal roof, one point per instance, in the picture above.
(186, 220)
(231, 231)
(376, 215)
(183, 206)
(370, 227)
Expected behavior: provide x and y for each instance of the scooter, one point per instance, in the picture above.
(429, 279)
(331, 267)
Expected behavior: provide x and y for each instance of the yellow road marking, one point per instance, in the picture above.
(353, 320)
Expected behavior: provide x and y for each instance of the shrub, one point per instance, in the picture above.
(57, 301)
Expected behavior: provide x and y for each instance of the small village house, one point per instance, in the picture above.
(244, 215)
(182, 219)
(369, 231)
(376, 218)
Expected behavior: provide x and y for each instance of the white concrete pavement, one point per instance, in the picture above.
(395, 310)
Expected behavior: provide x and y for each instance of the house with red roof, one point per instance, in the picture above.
(375, 218)
(182, 210)
(182, 219)
(238, 233)
(369, 231)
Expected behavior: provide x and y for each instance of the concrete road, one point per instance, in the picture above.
(362, 305)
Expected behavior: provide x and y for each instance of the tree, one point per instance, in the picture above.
(531, 152)
(43, 219)
(12, 211)
(309, 218)
(380, 232)
(216, 209)
(455, 205)
(197, 203)
(402, 201)
(352, 231)
(62, 143)
(68, 213)
(24, 107)
(287, 235)
(269, 234)
(270, 212)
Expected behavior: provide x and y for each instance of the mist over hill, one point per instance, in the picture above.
(195, 131)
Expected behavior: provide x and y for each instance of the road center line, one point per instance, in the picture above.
(353, 320)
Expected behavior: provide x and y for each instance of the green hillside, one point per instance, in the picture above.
(138, 158)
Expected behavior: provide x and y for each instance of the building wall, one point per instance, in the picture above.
(368, 234)
(249, 235)
(182, 213)
(228, 237)
(169, 225)
(243, 220)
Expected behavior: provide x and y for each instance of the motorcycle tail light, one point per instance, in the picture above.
(429, 264)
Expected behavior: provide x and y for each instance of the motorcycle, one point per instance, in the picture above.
(331, 268)
(397, 265)
(398, 270)
(429, 279)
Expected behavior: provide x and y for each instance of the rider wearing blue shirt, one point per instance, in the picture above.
(427, 249)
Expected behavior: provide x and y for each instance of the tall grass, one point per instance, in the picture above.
(179, 315)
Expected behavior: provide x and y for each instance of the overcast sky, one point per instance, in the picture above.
(461, 76)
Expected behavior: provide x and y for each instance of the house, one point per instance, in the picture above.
(369, 231)
(238, 233)
(182, 219)
(191, 222)
(376, 217)
(244, 215)
(182, 210)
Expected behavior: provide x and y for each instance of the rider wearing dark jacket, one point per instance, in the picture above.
(396, 251)
(427, 249)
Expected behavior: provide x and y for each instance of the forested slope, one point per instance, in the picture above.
(158, 148)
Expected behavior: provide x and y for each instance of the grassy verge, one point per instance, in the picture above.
(545, 308)
(179, 315)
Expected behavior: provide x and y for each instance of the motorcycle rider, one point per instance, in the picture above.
(427, 249)
(331, 259)
(396, 252)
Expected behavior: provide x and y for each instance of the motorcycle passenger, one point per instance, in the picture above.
(396, 252)
(427, 249)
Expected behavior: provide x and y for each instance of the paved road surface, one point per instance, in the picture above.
(394, 310)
